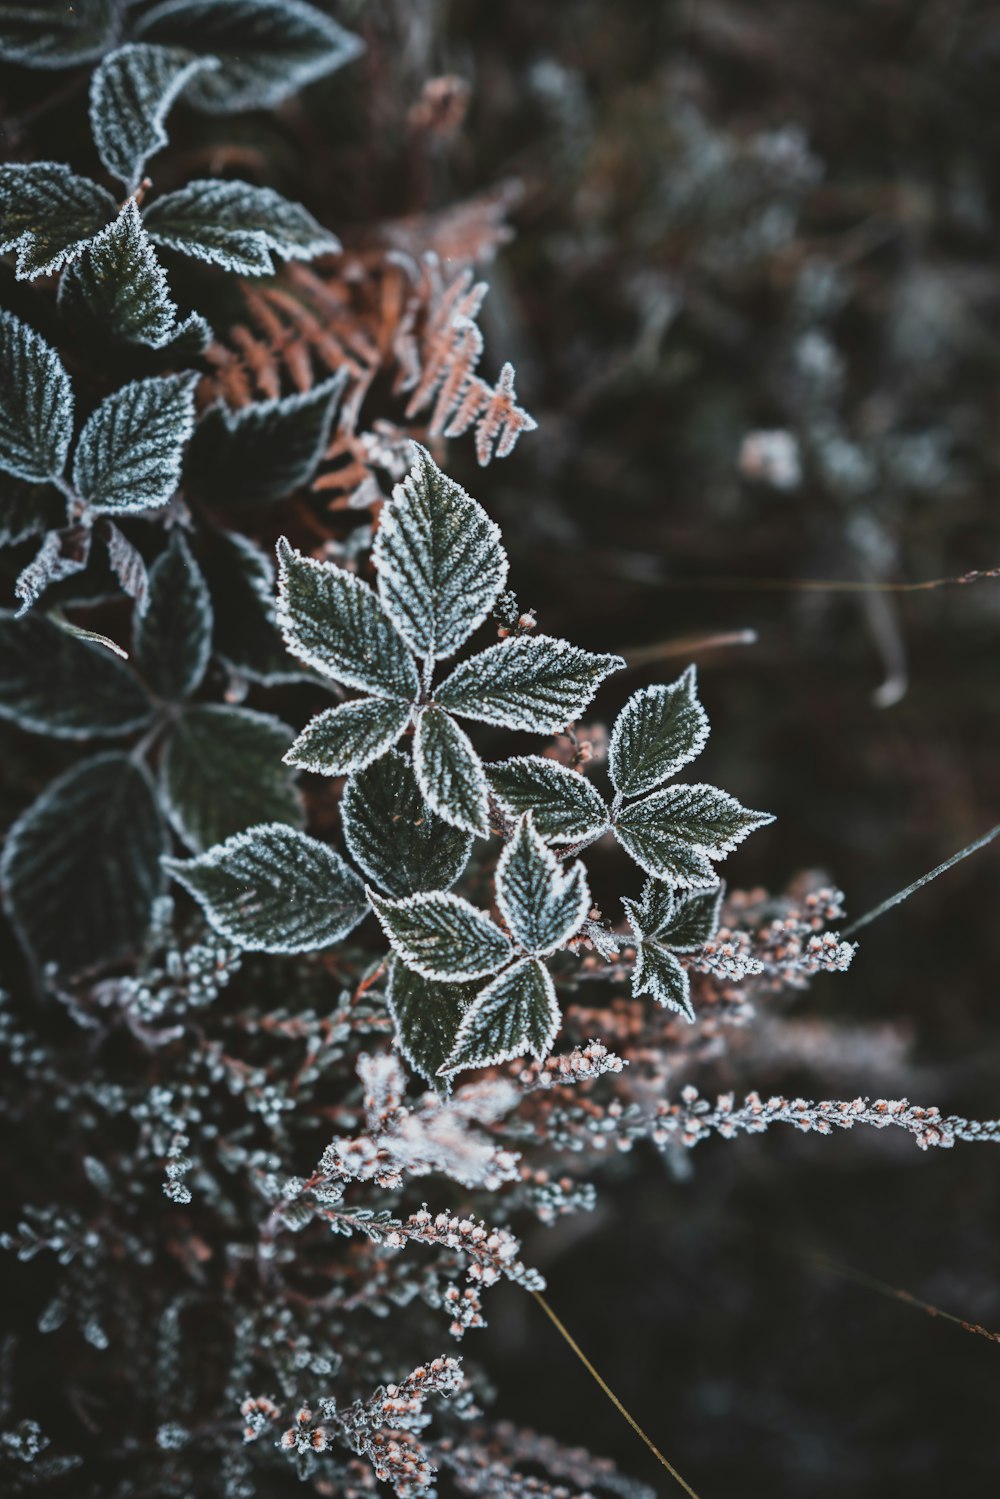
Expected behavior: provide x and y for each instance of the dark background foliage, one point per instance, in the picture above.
(655, 302)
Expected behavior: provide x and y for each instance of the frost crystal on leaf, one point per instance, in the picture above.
(131, 94)
(658, 730)
(335, 623)
(42, 35)
(341, 740)
(542, 906)
(427, 1014)
(674, 833)
(450, 773)
(441, 936)
(173, 639)
(684, 922)
(393, 834)
(565, 806)
(658, 973)
(36, 404)
(272, 889)
(129, 453)
(441, 566)
(516, 1013)
(237, 226)
(48, 214)
(531, 682)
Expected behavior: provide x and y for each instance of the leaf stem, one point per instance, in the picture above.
(925, 879)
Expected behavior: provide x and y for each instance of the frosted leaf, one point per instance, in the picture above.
(129, 454)
(684, 922)
(441, 936)
(268, 49)
(81, 867)
(48, 214)
(54, 684)
(333, 621)
(221, 771)
(127, 564)
(41, 35)
(36, 404)
(241, 578)
(120, 283)
(427, 1015)
(674, 833)
(515, 1014)
(440, 564)
(658, 730)
(450, 773)
(27, 508)
(658, 973)
(173, 639)
(237, 226)
(61, 554)
(131, 94)
(542, 906)
(531, 682)
(272, 889)
(343, 739)
(565, 806)
(393, 835)
(266, 449)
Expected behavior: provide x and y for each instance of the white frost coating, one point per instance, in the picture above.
(341, 740)
(131, 94)
(565, 806)
(237, 226)
(450, 774)
(659, 974)
(659, 730)
(533, 682)
(673, 833)
(36, 404)
(49, 215)
(441, 566)
(542, 906)
(516, 1013)
(130, 450)
(441, 936)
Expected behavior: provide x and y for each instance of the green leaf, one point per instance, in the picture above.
(440, 564)
(654, 912)
(241, 579)
(173, 639)
(26, 509)
(441, 936)
(81, 867)
(41, 34)
(62, 554)
(393, 835)
(682, 922)
(126, 562)
(674, 833)
(335, 623)
(341, 740)
(565, 806)
(659, 730)
(131, 94)
(222, 771)
(427, 1015)
(531, 682)
(118, 282)
(264, 451)
(516, 1013)
(48, 215)
(237, 226)
(129, 454)
(272, 889)
(450, 773)
(542, 906)
(36, 404)
(658, 973)
(54, 684)
(268, 49)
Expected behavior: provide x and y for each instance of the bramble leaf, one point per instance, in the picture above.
(344, 739)
(265, 450)
(61, 554)
(450, 772)
(441, 936)
(334, 622)
(565, 806)
(532, 682)
(36, 404)
(131, 93)
(393, 835)
(120, 283)
(81, 867)
(268, 49)
(272, 889)
(427, 1015)
(126, 562)
(542, 906)
(129, 454)
(42, 35)
(659, 730)
(222, 770)
(658, 973)
(674, 833)
(237, 226)
(684, 922)
(27, 508)
(241, 579)
(54, 684)
(440, 564)
(173, 639)
(48, 215)
(516, 1013)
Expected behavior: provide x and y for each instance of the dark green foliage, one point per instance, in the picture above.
(173, 639)
(392, 834)
(53, 684)
(36, 404)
